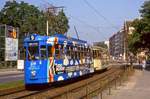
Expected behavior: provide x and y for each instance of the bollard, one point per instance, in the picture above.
(109, 90)
(120, 80)
(109, 87)
(86, 90)
(101, 91)
(101, 95)
(116, 83)
(67, 97)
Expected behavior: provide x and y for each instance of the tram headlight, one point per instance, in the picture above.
(33, 73)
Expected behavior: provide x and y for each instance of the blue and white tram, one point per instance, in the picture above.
(55, 58)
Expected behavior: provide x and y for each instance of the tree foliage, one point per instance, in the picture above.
(139, 40)
(21, 15)
(62, 22)
(58, 23)
(101, 44)
(30, 19)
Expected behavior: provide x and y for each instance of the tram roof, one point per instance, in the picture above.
(61, 38)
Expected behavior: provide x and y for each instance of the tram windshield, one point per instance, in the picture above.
(33, 53)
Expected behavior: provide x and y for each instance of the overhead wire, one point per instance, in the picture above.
(83, 22)
(99, 14)
(96, 29)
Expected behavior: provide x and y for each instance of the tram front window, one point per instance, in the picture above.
(33, 53)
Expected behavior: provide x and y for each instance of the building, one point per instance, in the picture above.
(118, 43)
(111, 46)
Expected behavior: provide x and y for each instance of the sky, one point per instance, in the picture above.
(95, 20)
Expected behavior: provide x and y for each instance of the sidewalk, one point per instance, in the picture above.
(138, 87)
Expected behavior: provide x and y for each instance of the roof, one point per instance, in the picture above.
(60, 39)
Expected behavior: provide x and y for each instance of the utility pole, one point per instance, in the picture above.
(51, 10)
(125, 40)
(47, 27)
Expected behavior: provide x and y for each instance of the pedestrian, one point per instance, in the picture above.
(143, 64)
(139, 61)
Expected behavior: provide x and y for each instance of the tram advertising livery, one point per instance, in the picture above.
(56, 58)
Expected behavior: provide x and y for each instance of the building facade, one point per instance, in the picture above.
(118, 43)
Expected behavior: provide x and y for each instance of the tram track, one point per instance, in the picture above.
(71, 88)
(74, 88)
(11, 90)
(18, 94)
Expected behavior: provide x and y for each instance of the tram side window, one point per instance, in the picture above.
(97, 54)
(101, 55)
(68, 50)
(76, 53)
(80, 52)
(83, 56)
(43, 52)
(62, 51)
(94, 54)
(85, 52)
(57, 52)
(71, 52)
(49, 51)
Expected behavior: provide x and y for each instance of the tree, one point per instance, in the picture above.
(21, 15)
(62, 23)
(30, 19)
(101, 44)
(139, 40)
(57, 23)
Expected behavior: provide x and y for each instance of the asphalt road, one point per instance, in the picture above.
(9, 76)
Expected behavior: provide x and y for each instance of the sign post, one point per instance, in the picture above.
(8, 46)
(11, 44)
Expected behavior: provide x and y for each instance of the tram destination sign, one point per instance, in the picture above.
(33, 44)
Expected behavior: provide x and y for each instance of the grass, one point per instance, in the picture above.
(12, 84)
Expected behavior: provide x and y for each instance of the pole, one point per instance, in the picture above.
(76, 32)
(47, 27)
(52, 9)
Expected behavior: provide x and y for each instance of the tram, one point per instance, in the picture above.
(100, 58)
(56, 58)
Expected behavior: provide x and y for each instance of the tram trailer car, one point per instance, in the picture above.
(100, 58)
(55, 58)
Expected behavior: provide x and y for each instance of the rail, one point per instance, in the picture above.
(87, 88)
